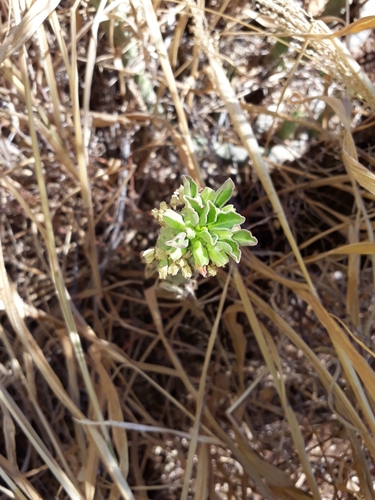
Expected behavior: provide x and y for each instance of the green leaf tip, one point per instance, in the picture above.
(173, 219)
(244, 238)
(224, 193)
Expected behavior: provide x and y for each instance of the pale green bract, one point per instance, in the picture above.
(199, 232)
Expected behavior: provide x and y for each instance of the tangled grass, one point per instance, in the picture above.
(255, 383)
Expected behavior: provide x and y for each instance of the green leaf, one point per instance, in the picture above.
(200, 254)
(213, 213)
(190, 187)
(190, 233)
(244, 238)
(232, 249)
(179, 241)
(207, 194)
(176, 253)
(203, 218)
(218, 257)
(166, 233)
(280, 47)
(224, 193)
(227, 220)
(209, 214)
(287, 130)
(207, 237)
(195, 203)
(173, 220)
(192, 216)
(227, 209)
(223, 234)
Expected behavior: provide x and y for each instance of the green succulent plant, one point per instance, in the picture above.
(199, 232)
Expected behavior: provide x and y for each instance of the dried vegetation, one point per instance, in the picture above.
(257, 383)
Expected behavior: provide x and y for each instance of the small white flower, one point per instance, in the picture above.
(181, 193)
(186, 271)
(157, 214)
(211, 271)
(149, 255)
(173, 269)
(181, 262)
(163, 272)
(160, 254)
(175, 201)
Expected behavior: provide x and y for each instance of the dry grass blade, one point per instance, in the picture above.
(115, 413)
(348, 356)
(73, 389)
(243, 128)
(362, 175)
(111, 464)
(148, 428)
(180, 29)
(82, 155)
(112, 200)
(329, 53)
(26, 27)
(91, 56)
(14, 489)
(189, 156)
(7, 182)
(269, 352)
(62, 292)
(236, 331)
(9, 436)
(253, 465)
(203, 474)
(16, 319)
(30, 387)
(362, 248)
(355, 27)
(150, 295)
(91, 471)
(364, 475)
(50, 241)
(52, 86)
(201, 394)
(352, 300)
(326, 378)
(33, 438)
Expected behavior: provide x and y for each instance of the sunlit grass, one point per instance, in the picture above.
(258, 381)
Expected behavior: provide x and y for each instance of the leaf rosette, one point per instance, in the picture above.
(199, 231)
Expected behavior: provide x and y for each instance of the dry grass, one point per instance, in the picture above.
(259, 383)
